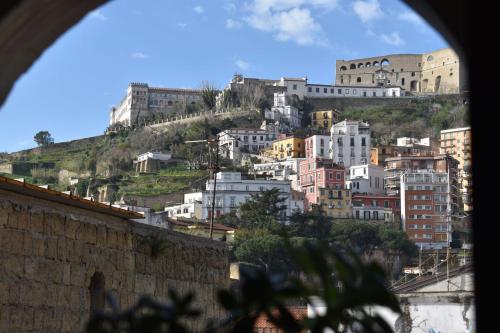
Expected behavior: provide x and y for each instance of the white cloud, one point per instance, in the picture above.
(289, 19)
(229, 8)
(368, 10)
(140, 55)
(98, 15)
(182, 25)
(199, 9)
(392, 39)
(233, 24)
(243, 65)
(410, 17)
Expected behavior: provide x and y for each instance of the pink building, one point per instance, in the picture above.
(318, 173)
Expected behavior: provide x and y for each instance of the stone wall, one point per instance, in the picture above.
(342, 103)
(49, 252)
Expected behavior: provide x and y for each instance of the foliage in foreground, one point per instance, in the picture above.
(343, 284)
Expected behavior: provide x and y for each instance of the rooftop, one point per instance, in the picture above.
(34, 191)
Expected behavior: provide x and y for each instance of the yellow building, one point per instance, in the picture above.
(457, 143)
(323, 120)
(336, 203)
(292, 146)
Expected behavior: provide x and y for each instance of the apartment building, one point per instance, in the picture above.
(289, 147)
(234, 141)
(316, 174)
(366, 178)
(376, 207)
(428, 204)
(396, 166)
(350, 143)
(232, 191)
(317, 146)
(336, 203)
(323, 120)
(457, 143)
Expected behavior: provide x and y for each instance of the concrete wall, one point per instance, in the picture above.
(49, 253)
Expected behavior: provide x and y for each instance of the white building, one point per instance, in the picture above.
(366, 178)
(301, 88)
(409, 142)
(232, 191)
(250, 140)
(317, 146)
(281, 170)
(143, 102)
(350, 143)
(283, 110)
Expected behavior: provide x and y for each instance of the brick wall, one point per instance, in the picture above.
(49, 253)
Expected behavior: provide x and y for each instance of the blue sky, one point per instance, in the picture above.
(71, 87)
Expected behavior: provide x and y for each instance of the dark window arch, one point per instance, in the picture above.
(368, 64)
(361, 65)
(169, 102)
(97, 293)
(358, 80)
(353, 66)
(385, 62)
(376, 63)
(343, 68)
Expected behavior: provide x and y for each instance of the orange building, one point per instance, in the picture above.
(291, 146)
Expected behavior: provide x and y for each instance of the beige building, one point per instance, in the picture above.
(143, 102)
(435, 72)
(457, 143)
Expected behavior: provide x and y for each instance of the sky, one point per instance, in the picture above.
(70, 89)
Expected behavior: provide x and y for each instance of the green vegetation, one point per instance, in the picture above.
(419, 119)
(167, 181)
(261, 237)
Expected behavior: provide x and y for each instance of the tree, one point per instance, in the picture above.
(260, 247)
(263, 210)
(360, 237)
(208, 94)
(312, 224)
(43, 138)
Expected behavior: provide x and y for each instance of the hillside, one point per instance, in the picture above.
(108, 160)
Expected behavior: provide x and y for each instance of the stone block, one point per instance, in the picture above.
(23, 221)
(14, 266)
(38, 246)
(71, 228)
(90, 234)
(37, 222)
(12, 221)
(4, 318)
(51, 248)
(28, 244)
(4, 216)
(66, 273)
(4, 293)
(28, 319)
(13, 241)
(30, 268)
(62, 251)
(16, 318)
(101, 235)
(77, 275)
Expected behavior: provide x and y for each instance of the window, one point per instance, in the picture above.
(325, 90)
(339, 91)
(309, 89)
(317, 90)
(352, 142)
(363, 141)
(294, 87)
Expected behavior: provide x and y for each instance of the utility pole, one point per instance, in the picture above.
(213, 169)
